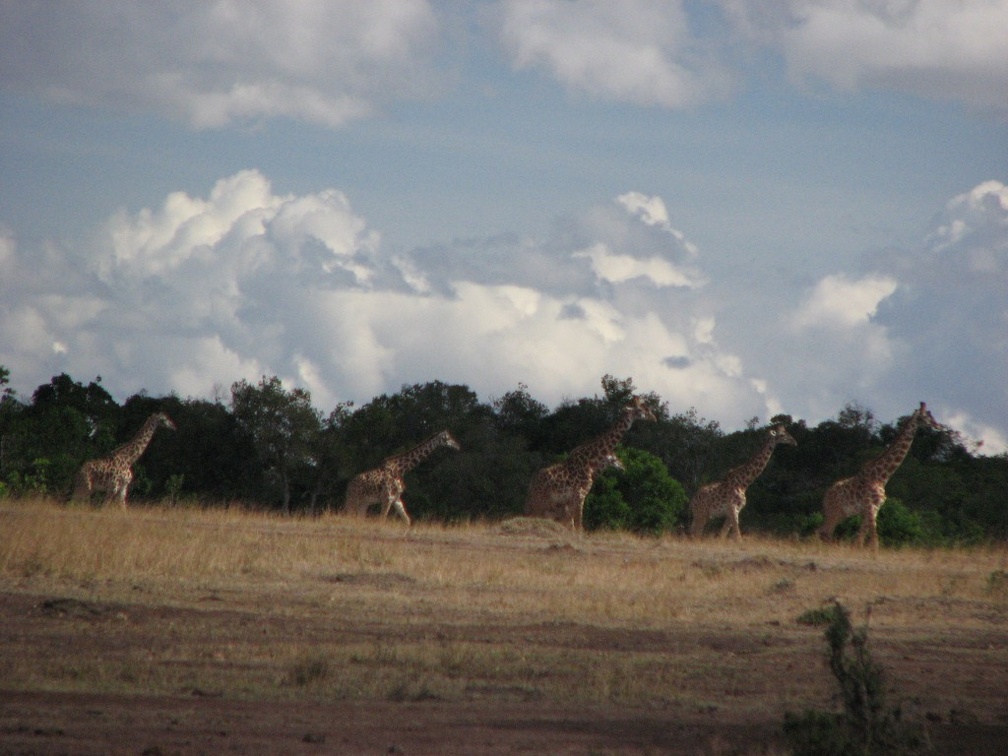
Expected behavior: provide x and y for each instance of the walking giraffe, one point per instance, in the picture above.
(864, 493)
(113, 473)
(728, 496)
(559, 491)
(384, 484)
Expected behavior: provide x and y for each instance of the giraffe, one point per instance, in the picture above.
(551, 499)
(384, 484)
(561, 489)
(113, 473)
(728, 496)
(864, 493)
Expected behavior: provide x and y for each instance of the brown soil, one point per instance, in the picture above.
(38, 628)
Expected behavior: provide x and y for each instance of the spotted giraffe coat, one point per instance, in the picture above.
(113, 473)
(384, 485)
(727, 497)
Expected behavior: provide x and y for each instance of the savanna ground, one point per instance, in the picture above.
(162, 631)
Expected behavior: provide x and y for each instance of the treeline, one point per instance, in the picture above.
(268, 446)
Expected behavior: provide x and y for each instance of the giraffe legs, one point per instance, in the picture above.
(731, 523)
(364, 491)
(700, 509)
(92, 478)
(120, 488)
(399, 507)
(869, 520)
(578, 513)
(833, 508)
(713, 501)
(831, 518)
(392, 499)
(699, 523)
(850, 497)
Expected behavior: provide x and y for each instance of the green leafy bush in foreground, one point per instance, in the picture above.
(866, 725)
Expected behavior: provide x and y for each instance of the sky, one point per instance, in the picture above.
(749, 207)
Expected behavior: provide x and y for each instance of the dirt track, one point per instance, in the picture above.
(386, 645)
(58, 723)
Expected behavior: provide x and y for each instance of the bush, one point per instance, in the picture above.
(898, 526)
(865, 726)
(643, 497)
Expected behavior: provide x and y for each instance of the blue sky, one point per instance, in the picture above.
(748, 207)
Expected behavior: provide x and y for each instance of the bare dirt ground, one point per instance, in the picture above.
(152, 667)
(494, 721)
(491, 721)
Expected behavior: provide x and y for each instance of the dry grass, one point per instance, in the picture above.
(250, 605)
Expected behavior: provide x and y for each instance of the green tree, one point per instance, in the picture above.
(389, 424)
(283, 426)
(216, 458)
(10, 411)
(93, 402)
(898, 526)
(66, 423)
(518, 414)
(688, 444)
(332, 458)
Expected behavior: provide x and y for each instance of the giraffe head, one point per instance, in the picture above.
(922, 416)
(444, 438)
(164, 421)
(638, 410)
(779, 435)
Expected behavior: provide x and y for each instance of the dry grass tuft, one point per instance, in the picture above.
(534, 526)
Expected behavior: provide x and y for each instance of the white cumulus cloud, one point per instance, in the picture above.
(923, 324)
(842, 302)
(202, 291)
(618, 268)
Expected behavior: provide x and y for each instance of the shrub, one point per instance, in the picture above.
(898, 526)
(643, 497)
(816, 617)
(866, 725)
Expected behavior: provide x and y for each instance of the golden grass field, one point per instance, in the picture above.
(198, 630)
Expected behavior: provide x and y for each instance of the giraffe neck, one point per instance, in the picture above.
(596, 451)
(744, 475)
(883, 467)
(403, 463)
(130, 451)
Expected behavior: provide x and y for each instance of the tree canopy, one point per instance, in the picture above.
(269, 447)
